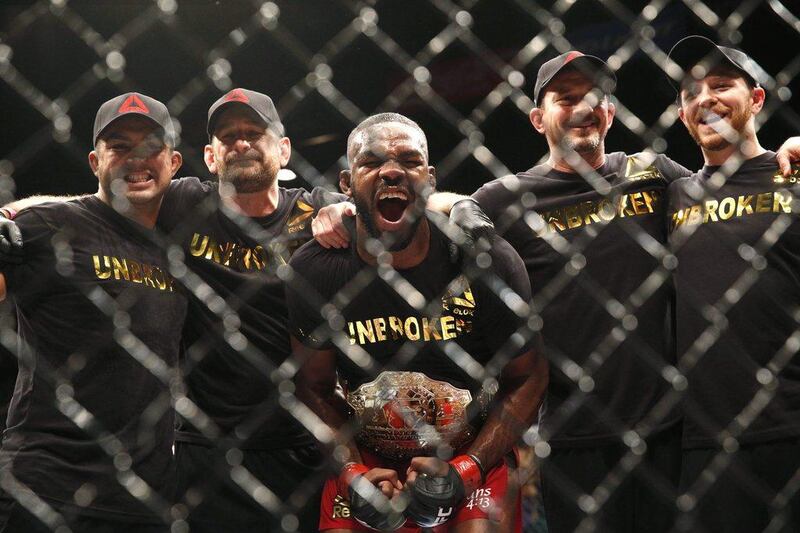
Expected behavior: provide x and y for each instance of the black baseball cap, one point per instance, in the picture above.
(593, 67)
(258, 102)
(695, 49)
(133, 103)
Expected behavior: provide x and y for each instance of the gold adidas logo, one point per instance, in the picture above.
(794, 177)
(298, 221)
(639, 169)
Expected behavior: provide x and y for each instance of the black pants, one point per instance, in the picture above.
(14, 518)
(635, 501)
(741, 492)
(218, 504)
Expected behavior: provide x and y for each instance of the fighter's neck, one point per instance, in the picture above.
(144, 215)
(410, 256)
(747, 149)
(577, 162)
(253, 204)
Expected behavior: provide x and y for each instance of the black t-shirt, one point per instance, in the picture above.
(237, 335)
(407, 322)
(8, 376)
(591, 257)
(99, 327)
(738, 291)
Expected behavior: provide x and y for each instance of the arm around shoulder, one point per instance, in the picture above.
(11, 209)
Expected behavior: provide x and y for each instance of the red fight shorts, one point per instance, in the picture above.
(485, 502)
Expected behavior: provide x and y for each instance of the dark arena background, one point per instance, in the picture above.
(463, 69)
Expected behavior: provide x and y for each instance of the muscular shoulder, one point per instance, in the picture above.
(187, 192)
(305, 203)
(305, 254)
(685, 185)
(41, 218)
(646, 163)
(191, 184)
(181, 199)
(509, 267)
(319, 197)
(319, 265)
(54, 214)
(497, 195)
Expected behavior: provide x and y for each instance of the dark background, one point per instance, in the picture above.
(330, 63)
(58, 58)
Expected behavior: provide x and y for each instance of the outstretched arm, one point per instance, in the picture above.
(330, 232)
(12, 208)
(10, 236)
(442, 202)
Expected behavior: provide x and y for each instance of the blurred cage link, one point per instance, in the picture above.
(463, 69)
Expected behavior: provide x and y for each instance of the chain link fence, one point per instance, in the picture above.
(463, 69)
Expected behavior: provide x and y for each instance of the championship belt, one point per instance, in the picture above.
(407, 414)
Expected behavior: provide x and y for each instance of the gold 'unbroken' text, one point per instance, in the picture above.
(233, 255)
(107, 267)
(412, 328)
(592, 211)
(731, 207)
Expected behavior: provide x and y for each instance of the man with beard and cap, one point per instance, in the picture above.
(419, 342)
(90, 425)
(244, 462)
(735, 232)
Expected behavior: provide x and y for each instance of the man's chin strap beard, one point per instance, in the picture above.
(249, 185)
(364, 212)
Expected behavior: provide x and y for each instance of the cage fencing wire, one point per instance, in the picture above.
(464, 69)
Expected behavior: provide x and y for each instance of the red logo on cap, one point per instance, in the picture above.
(571, 56)
(237, 95)
(133, 104)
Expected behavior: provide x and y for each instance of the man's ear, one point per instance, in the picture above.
(759, 96)
(208, 157)
(344, 182)
(94, 161)
(432, 177)
(612, 112)
(681, 114)
(176, 160)
(536, 119)
(285, 146)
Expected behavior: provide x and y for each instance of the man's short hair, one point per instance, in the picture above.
(384, 118)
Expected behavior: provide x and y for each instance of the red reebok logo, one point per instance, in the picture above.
(571, 56)
(237, 95)
(133, 104)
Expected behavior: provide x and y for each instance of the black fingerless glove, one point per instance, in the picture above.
(476, 225)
